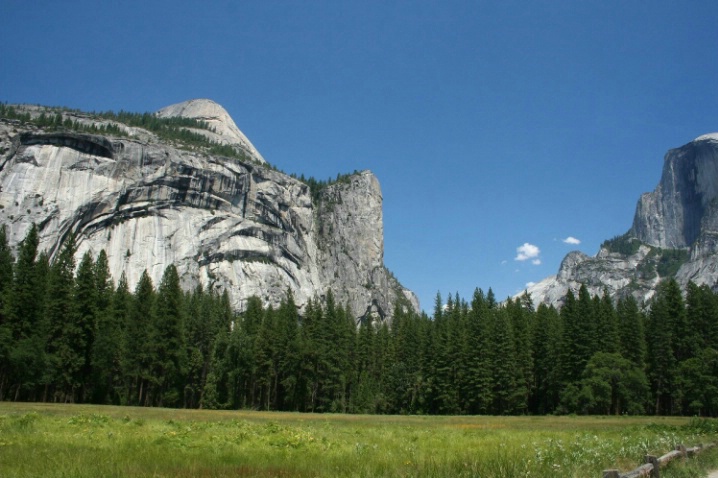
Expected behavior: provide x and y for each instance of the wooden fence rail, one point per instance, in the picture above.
(653, 465)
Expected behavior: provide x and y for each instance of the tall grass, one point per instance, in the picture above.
(91, 441)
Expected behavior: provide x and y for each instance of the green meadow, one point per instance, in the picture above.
(106, 441)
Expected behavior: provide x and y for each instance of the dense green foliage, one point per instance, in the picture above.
(670, 261)
(67, 334)
(317, 186)
(624, 244)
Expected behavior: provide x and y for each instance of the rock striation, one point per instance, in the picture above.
(228, 224)
(674, 234)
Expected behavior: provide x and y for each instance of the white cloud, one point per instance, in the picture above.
(530, 284)
(536, 262)
(571, 240)
(527, 251)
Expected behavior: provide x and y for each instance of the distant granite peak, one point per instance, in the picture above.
(674, 234)
(212, 113)
(672, 215)
(707, 137)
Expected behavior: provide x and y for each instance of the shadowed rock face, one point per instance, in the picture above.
(225, 223)
(681, 213)
(672, 215)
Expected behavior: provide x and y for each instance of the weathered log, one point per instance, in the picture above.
(671, 455)
(643, 470)
(653, 465)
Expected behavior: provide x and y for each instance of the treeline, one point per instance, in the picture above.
(318, 186)
(68, 334)
(591, 357)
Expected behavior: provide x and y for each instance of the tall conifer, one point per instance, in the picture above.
(67, 339)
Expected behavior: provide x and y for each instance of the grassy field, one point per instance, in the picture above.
(92, 441)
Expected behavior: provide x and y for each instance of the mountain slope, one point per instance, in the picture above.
(227, 223)
(674, 234)
(224, 131)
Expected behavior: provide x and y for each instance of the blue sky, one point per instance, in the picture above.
(497, 129)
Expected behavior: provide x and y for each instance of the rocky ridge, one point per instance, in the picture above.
(223, 130)
(226, 223)
(674, 234)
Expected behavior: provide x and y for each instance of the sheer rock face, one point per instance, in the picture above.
(681, 213)
(672, 215)
(225, 223)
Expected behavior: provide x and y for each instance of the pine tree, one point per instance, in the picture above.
(546, 339)
(332, 367)
(685, 341)
(506, 393)
(288, 349)
(702, 315)
(231, 373)
(266, 357)
(85, 296)
(479, 374)
(408, 337)
(607, 339)
(137, 342)
(587, 314)
(632, 336)
(6, 266)
(67, 340)
(103, 283)
(308, 378)
(666, 309)
(446, 396)
(168, 353)
(247, 352)
(384, 369)
(346, 343)
(522, 314)
(217, 386)
(573, 353)
(23, 312)
(367, 383)
(202, 327)
(108, 354)
(6, 275)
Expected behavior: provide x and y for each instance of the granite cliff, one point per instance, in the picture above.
(227, 222)
(674, 234)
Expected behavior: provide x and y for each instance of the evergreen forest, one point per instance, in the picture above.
(69, 333)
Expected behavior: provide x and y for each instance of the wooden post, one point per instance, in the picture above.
(611, 474)
(656, 471)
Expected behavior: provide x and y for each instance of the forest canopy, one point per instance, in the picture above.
(69, 333)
